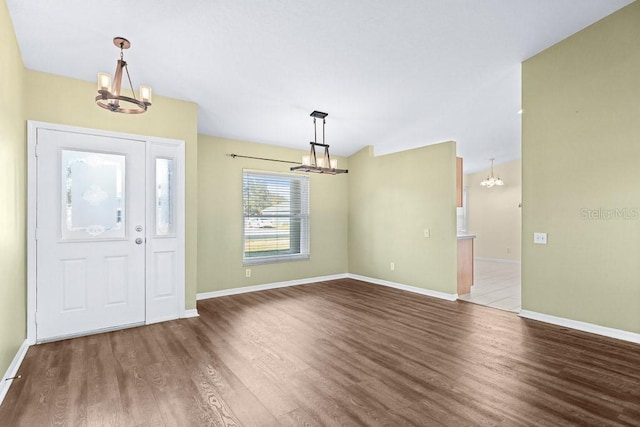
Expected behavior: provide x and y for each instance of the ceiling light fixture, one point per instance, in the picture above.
(110, 95)
(312, 163)
(490, 181)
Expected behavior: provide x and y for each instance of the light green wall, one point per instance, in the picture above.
(493, 214)
(220, 211)
(581, 150)
(392, 199)
(55, 99)
(13, 158)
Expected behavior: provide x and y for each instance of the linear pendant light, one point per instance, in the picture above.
(312, 163)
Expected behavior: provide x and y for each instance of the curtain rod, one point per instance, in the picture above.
(233, 155)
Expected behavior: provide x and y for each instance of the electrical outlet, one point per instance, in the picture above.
(427, 233)
(247, 272)
(540, 238)
(393, 266)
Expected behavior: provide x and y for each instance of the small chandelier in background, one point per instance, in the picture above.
(312, 163)
(490, 181)
(110, 96)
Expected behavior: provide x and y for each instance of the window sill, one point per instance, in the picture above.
(274, 259)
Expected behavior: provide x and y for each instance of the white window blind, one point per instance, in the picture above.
(275, 217)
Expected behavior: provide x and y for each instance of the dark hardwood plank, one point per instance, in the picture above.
(297, 418)
(342, 352)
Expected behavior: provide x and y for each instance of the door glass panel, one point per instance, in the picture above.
(164, 197)
(93, 197)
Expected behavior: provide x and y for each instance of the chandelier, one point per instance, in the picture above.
(490, 181)
(109, 93)
(313, 163)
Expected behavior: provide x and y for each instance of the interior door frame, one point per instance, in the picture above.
(32, 127)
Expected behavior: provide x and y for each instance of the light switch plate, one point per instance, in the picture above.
(540, 238)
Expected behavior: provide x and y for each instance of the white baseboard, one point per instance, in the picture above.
(503, 261)
(582, 326)
(255, 288)
(192, 312)
(13, 369)
(160, 319)
(408, 288)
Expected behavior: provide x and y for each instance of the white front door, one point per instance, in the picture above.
(90, 233)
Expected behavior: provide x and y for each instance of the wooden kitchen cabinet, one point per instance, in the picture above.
(465, 264)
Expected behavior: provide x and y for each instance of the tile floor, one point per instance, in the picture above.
(496, 284)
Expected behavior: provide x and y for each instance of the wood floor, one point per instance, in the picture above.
(335, 353)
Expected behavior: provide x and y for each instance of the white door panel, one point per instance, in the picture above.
(90, 198)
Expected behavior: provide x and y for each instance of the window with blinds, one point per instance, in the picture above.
(276, 217)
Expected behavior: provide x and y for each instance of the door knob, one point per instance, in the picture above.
(138, 241)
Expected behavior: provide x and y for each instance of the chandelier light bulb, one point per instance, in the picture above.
(104, 82)
(145, 94)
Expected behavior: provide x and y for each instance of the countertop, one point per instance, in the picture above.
(466, 236)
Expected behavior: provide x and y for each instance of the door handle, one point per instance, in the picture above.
(138, 241)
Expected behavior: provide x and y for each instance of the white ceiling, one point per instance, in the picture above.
(392, 74)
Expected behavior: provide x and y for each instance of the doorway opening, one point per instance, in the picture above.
(494, 216)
